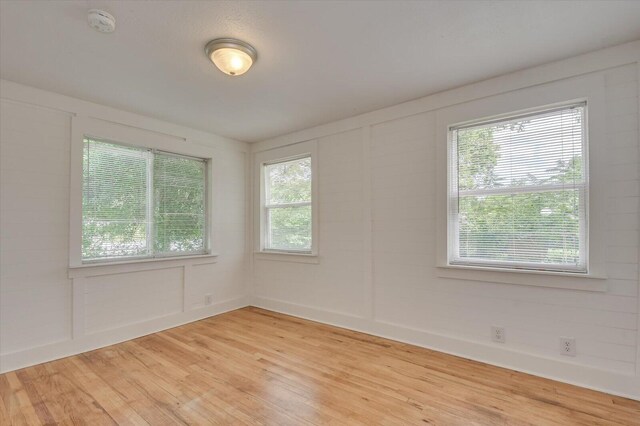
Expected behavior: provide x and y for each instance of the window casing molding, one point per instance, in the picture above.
(589, 89)
(87, 127)
(454, 194)
(293, 152)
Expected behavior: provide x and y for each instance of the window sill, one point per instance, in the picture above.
(287, 257)
(118, 267)
(563, 280)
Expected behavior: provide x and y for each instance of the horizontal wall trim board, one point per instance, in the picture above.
(523, 277)
(97, 269)
(89, 342)
(39, 98)
(599, 60)
(286, 257)
(627, 386)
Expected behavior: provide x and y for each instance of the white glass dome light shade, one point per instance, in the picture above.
(231, 61)
(232, 57)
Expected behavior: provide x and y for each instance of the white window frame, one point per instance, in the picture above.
(453, 257)
(589, 89)
(266, 208)
(86, 127)
(149, 154)
(297, 151)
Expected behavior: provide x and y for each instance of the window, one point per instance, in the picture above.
(518, 192)
(141, 203)
(287, 206)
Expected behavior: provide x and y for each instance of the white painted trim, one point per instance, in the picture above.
(627, 386)
(187, 276)
(78, 287)
(249, 223)
(611, 57)
(78, 124)
(111, 268)
(299, 150)
(89, 342)
(368, 286)
(42, 98)
(287, 257)
(524, 277)
(638, 293)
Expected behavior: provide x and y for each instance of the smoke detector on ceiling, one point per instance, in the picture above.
(102, 21)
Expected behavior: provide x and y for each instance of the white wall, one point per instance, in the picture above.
(48, 311)
(378, 194)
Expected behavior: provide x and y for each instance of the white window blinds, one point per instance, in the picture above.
(179, 204)
(141, 203)
(518, 191)
(287, 206)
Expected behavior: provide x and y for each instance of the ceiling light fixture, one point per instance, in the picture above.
(101, 21)
(232, 57)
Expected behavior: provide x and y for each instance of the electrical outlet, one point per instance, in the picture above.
(568, 346)
(208, 299)
(498, 334)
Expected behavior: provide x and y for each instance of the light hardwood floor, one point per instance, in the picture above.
(253, 366)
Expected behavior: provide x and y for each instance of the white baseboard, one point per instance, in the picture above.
(28, 357)
(627, 386)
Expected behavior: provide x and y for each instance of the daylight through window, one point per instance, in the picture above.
(287, 208)
(518, 192)
(141, 203)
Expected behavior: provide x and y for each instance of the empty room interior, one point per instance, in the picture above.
(319, 212)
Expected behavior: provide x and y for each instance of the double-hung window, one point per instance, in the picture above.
(141, 203)
(287, 209)
(518, 189)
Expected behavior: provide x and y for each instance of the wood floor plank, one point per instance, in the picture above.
(257, 367)
(20, 407)
(35, 399)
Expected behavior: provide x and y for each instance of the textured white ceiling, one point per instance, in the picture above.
(318, 61)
